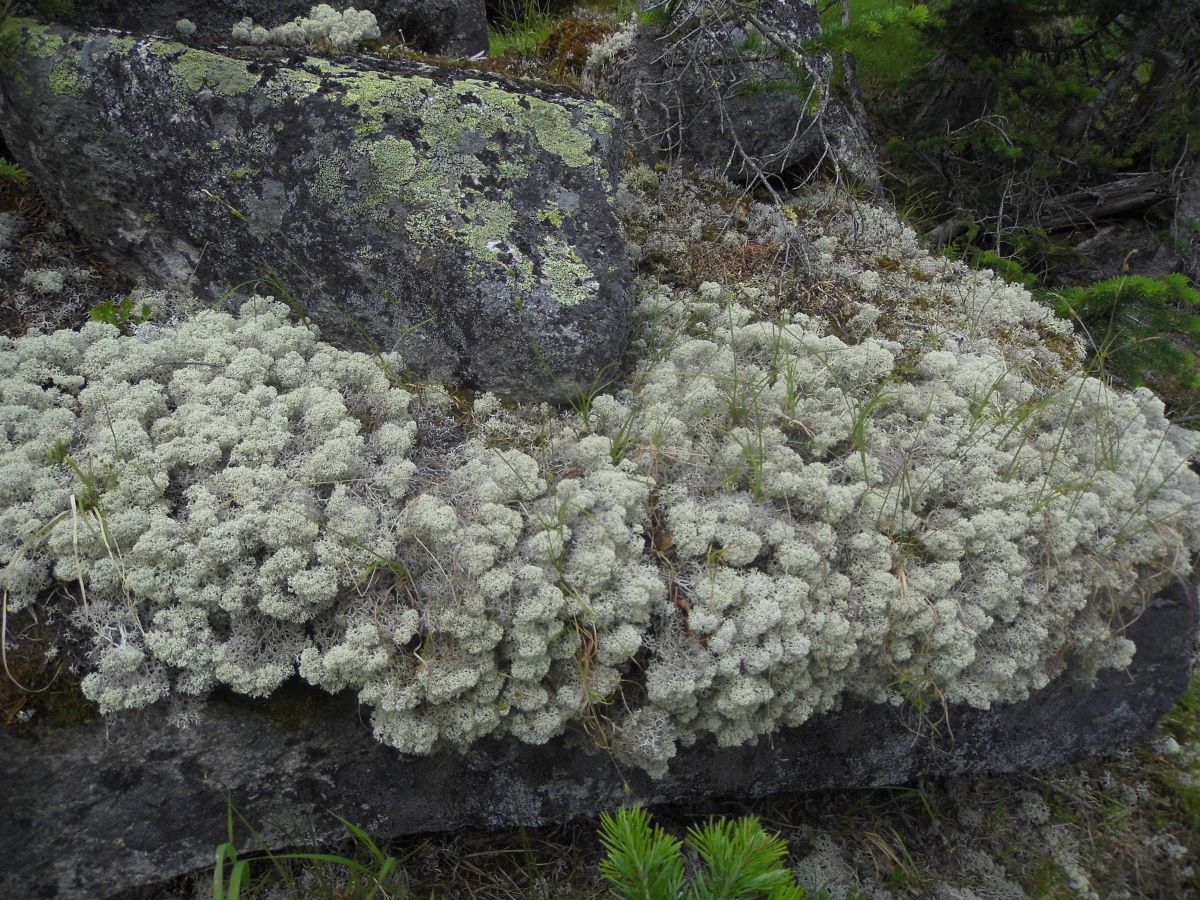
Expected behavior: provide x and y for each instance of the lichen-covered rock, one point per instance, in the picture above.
(445, 27)
(710, 88)
(457, 219)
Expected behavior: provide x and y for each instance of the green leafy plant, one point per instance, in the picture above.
(740, 860)
(122, 314)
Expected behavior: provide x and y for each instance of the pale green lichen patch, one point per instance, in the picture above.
(333, 186)
(66, 79)
(570, 281)
(395, 163)
(299, 83)
(436, 185)
(551, 215)
(471, 108)
(558, 134)
(377, 96)
(197, 70)
(120, 43)
(488, 225)
(437, 193)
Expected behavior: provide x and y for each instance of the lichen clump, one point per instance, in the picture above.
(766, 518)
(343, 30)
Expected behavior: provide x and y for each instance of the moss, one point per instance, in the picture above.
(36, 662)
(565, 49)
(223, 76)
(294, 704)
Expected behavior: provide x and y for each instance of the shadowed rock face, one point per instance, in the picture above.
(445, 27)
(97, 808)
(713, 91)
(456, 218)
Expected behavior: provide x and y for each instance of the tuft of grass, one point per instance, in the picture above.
(528, 25)
(333, 876)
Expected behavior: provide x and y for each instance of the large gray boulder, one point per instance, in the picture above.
(733, 89)
(110, 805)
(444, 27)
(459, 219)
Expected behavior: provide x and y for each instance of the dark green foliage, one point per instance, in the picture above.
(54, 9)
(1028, 102)
(643, 861)
(740, 860)
(1136, 325)
(10, 36)
(839, 38)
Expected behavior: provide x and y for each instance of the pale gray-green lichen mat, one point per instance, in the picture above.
(763, 520)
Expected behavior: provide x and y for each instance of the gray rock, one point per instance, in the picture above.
(444, 27)
(710, 89)
(460, 219)
(105, 806)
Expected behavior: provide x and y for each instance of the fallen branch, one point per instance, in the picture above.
(1107, 201)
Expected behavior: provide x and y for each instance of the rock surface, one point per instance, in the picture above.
(710, 89)
(134, 801)
(444, 27)
(459, 219)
